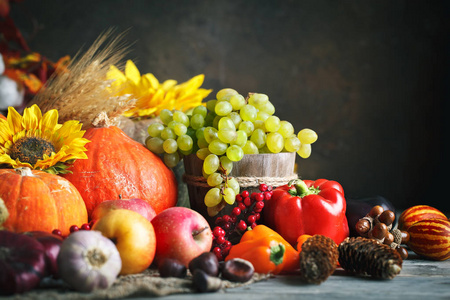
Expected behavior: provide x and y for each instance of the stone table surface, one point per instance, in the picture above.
(419, 279)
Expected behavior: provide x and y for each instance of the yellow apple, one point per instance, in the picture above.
(134, 237)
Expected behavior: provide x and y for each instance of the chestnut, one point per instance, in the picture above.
(379, 231)
(237, 270)
(376, 211)
(362, 226)
(170, 267)
(205, 283)
(207, 262)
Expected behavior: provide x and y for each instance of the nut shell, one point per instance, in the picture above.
(238, 270)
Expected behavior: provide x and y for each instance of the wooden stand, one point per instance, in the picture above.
(250, 172)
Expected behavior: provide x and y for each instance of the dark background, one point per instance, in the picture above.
(370, 77)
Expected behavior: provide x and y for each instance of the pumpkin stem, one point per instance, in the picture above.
(4, 214)
(102, 120)
(24, 171)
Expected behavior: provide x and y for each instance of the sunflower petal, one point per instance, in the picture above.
(132, 72)
(14, 120)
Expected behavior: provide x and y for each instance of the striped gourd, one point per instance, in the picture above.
(430, 238)
(417, 213)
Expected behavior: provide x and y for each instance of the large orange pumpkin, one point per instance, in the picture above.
(118, 165)
(36, 200)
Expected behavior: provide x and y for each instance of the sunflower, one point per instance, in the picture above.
(154, 96)
(37, 141)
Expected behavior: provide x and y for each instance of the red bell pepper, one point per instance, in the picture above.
(308, 207)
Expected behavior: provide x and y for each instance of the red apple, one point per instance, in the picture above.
(133, 236)
(135, 204)
(182, 234)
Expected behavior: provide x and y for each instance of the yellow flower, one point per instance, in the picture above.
(154, 96)
(37, 141)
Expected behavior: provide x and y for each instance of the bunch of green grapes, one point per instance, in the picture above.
(222, 132)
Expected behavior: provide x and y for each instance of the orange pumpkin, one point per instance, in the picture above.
(36, 200)
(118, 165)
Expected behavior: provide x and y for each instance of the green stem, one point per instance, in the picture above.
(301, 189)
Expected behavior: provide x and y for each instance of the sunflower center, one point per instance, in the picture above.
(31, 149)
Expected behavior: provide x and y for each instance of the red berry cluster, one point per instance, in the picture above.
(73, 228)
(243, 216)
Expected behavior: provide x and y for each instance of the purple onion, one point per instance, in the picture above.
(88, 261)
(22, 263)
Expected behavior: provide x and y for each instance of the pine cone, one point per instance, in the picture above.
(318, 259)
(365, 256)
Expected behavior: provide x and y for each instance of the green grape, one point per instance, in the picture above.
(247, 127)
(237, 101)
(200, 110)
(200, 133)
(223, 108)
(217, 147)
(181, 117)
(180, 129)
(226, 165)
(155, 144)
(250, 148)
(257, 99)
(203, 153)
(213, 197)
(258, 137)
(202, 143)
(172, 124)
(236, 118)
(229, 195)
(209, 119)
(307, 136)
(248, 113)
(241, 138)
(154, 130)
(275, 142)
(262, 116)
(235, 153)
(216, 119)
(286, 129)
(166, 116)
(214, 179)
(267, 108)
(225, 94)
(226, 122)
(197, 121)
(211, 164)
(260, 125)
(304, 151)
(227, 135)
(234, 184)
(292, 143)
(211, 104)
(168, 133)
(185, 142)
(186, 152)
(272, 124)
(170, 146)
(264, 149)
(210, 134)
(171, 159)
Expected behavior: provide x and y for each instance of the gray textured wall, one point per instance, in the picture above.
(369, 76)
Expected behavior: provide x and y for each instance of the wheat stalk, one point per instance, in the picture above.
(81, 92)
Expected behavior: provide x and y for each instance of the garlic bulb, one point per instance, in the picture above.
(88, 261)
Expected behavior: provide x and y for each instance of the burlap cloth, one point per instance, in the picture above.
(145, 284)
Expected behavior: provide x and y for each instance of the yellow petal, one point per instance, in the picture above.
(14, 120)
(49, 122)
(154, 83)
(168, 84)
(132, 72)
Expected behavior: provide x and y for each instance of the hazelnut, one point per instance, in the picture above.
(405, 237)
(238, 270)
(379, 231)
(376, 211)
(169, 267)
(207, 262)
(387, 217)
(403, 252)
(205, 283)
(362, 226)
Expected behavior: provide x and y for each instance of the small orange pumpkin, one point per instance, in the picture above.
(36, 200)
(118, 165)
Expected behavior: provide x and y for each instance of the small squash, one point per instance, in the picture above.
(117, 164)
(36, 200)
